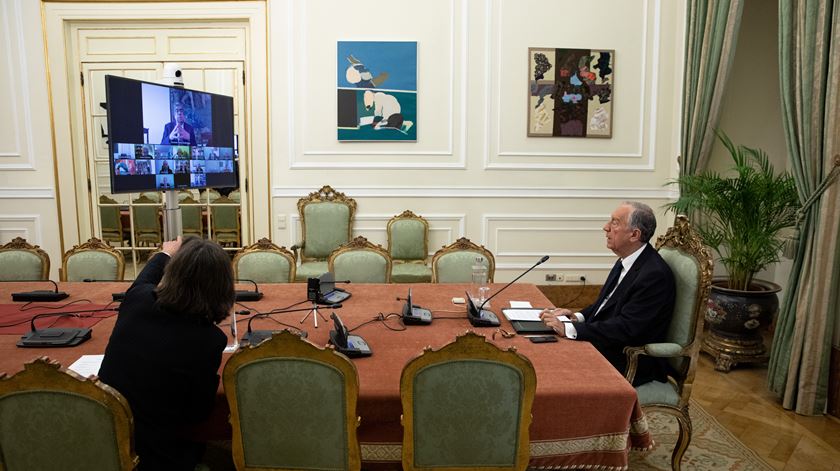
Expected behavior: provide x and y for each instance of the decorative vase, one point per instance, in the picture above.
(736, 319)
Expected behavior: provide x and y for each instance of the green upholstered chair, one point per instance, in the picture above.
(184, 194)
(408, 245)
(191, 221)
(453, 263)
(235, 195)
(20, 260)
(264, 262)
(292, 406)
(95, 260)
(360, 261)
(110, 221)
(52, 419)
(213, 195)
(692, 265)
(467, 406)
(224, 221)
(326, 220)
(147, 230)
(154, 196)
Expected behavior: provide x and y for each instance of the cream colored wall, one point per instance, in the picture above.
(751, 114)
(27, 176)
(473, 171)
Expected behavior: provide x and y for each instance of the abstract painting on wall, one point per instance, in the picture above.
(570, 92)
(377, 90)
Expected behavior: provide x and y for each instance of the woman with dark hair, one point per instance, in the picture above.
(166, 348)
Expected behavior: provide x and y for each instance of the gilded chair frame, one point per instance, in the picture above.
(93, 244)
(460, 245)
(409, 215)
(361, 243)
(288, 345)
(20, 244)
(44, 374)
(325, 195)
(468, 346)
(685, 239)
(266, 245)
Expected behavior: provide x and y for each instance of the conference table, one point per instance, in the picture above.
(585, 414)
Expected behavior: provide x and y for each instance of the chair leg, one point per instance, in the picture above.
(683, 441)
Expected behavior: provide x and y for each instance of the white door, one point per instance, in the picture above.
(133, 222)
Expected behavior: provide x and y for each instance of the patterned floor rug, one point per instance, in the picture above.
(712, 446)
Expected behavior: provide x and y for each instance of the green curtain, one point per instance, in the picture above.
(710, 39)
(809, 68)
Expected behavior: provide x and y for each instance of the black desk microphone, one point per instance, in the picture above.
(247, 295)
(254, 337)
(479, 317)
(118, 297)
(45, 296)
(57, 336)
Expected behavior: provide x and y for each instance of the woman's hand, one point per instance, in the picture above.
(171, 247)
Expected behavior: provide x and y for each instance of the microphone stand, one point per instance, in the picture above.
(314, 312)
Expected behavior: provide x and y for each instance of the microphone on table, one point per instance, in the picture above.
(479, 317)
(255, 337)
(57, 336)
(414, 315)
(246, 295)
(114, 296)
(46, 296)
(322, 290)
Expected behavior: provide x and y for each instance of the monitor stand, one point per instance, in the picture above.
(171, 215)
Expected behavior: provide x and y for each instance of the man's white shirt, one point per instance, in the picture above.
(626, 263)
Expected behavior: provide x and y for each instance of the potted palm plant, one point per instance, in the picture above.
(740, 216)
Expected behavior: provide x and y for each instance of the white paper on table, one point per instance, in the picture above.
(520, 304)
(87, 365)
(532, 314)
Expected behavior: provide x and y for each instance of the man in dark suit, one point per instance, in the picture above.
(178, 131)
(634, 307)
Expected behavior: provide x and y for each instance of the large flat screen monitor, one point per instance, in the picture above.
(167, 138)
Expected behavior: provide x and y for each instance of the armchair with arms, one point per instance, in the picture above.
(52, 419)
(292, 406)
(691, 262)
(326, 220)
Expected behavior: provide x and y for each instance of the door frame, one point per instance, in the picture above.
(65, 94)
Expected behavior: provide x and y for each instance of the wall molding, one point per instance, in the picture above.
(12, 21)
(650, 54)
(657, 193)
(33, 219)
(449, 150)
(27, 193)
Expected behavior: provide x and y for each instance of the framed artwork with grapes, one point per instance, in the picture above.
(570, 92)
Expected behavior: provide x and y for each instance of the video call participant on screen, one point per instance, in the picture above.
(164, 167)
(634, 307)
(166, 348)
(178, 131)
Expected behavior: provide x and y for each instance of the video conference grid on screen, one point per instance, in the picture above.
(194, 130)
